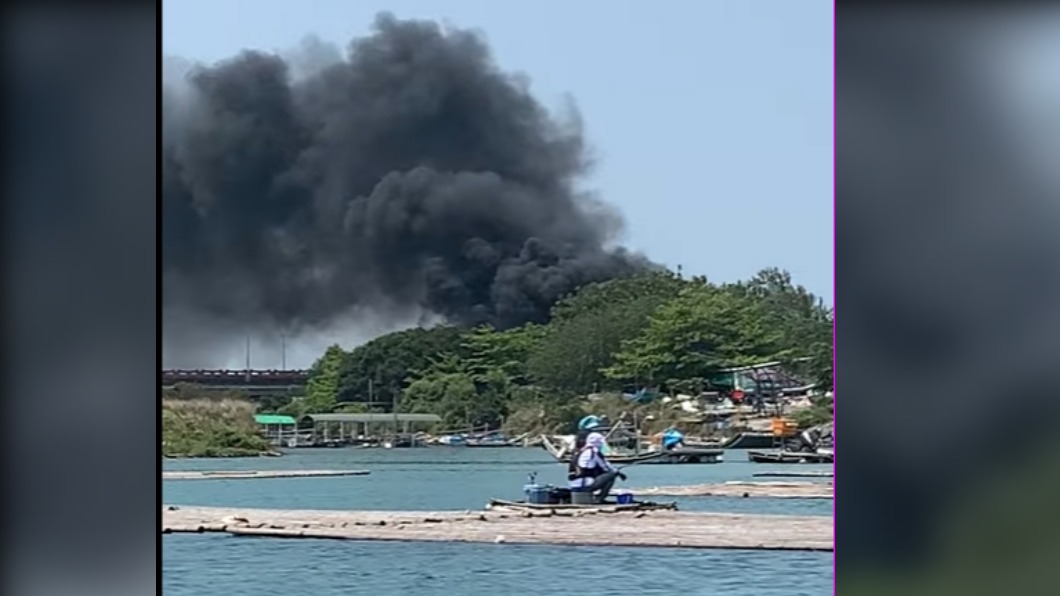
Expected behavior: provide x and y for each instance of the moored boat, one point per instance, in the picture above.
(495, 440)
(559, 449)
(791, 457)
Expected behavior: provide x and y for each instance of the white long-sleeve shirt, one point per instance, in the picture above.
(590, 458)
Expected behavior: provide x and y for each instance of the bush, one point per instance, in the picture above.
(210, 428)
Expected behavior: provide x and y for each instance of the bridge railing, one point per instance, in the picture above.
(235, 377)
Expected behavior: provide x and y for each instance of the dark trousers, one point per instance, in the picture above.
(602, 485)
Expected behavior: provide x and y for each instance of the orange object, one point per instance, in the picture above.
(782, 427)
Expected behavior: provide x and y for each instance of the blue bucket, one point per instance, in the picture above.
(624, 498)
(537, 494)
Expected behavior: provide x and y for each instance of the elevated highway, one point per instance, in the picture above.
(255, 383)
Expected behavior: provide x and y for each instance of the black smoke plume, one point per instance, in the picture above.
(412, 176)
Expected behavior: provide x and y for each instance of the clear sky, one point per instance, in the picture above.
(711, 120)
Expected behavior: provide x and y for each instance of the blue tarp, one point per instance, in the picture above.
(671, 438)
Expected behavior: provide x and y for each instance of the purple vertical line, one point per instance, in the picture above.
(835, 169)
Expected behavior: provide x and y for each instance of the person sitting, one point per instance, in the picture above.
(589, 471)
(672, 439)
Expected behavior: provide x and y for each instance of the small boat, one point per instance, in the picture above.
(681, 455)
(790, 457)
(403, 441)
(495, 440)
(750, 440)
(556, 508)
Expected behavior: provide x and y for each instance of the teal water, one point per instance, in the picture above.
(460, 479)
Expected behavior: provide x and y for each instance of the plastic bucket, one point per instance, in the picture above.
(537, 494)
(624, 498)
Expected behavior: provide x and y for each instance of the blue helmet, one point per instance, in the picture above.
(588, 422)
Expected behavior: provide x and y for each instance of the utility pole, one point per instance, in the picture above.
(283, 351)
(248, 359)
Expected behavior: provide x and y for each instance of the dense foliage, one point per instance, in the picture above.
(203, 427)
(655, 330)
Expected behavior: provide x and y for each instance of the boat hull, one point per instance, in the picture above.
(790, 457)
(672, 457)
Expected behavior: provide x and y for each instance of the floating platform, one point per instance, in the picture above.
(775, 490)
(794, 475)
(572, 509)
(583, 528)
(234, 475)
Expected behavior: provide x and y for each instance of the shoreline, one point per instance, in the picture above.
(226, 456)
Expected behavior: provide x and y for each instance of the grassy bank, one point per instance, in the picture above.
(210, 428)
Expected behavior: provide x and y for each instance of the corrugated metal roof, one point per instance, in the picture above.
(374, 417)
(273, 419)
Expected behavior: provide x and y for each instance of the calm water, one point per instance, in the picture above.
(461, 479)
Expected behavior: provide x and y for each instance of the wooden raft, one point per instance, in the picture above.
(570, 509)
(776, 490)
(643, 528)
(794, 474)
(234, 475)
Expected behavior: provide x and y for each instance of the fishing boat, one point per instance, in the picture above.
(791, 457)
(403, 441)
(497, 439)
(750, 440)
(559, 448)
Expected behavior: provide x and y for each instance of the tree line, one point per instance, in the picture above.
(655, 330)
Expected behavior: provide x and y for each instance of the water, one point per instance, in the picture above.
(460, 479)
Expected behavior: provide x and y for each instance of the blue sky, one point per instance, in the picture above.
(711, 121)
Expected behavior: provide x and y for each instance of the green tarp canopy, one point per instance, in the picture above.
(267, 419)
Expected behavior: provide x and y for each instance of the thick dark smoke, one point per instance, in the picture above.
(413, 176)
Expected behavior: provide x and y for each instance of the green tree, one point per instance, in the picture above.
(804, 322)
(589, 327)
(383, 367)
(322, 388)
(489, 360)
(489, 350)
(822, 361)
(456, 398)
(704, 329)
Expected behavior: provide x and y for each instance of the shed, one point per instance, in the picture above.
(348, 423)
(277, 427)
